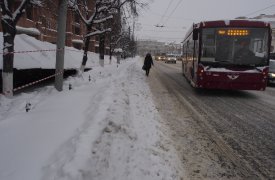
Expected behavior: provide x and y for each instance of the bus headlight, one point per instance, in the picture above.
(272, 75)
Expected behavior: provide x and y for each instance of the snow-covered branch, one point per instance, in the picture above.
(98, 32)
(6, 13)
(37, 2)
(20, 10)
(103, 19)
(76, 6)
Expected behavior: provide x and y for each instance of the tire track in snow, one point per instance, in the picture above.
(244, 169)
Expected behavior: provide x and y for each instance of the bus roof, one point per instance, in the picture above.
(227, 23)
(233, 23)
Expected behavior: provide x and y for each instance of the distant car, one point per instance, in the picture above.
(179, 58)
(271, 73)
(171, 59)
(159, 58)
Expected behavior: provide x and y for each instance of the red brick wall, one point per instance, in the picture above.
(45, 20)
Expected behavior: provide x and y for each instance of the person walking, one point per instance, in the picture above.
(148, 61)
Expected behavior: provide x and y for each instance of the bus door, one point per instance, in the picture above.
(195, 58)
(190, 60)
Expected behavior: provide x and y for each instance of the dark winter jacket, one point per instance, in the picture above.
(148, 61)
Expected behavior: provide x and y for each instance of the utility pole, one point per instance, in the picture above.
(60, 45)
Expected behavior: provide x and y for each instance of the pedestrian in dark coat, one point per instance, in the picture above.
(148, 61)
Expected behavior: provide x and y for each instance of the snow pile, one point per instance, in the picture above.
(32, 31)
(118, 50)
(44, 59)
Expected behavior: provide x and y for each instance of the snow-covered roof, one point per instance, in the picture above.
(77, 41)
(29, 31)
(118, 50)
(43, 54)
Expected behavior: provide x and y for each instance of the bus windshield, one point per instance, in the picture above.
(236, 46)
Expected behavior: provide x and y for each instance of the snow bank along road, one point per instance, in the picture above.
(104, 129)
(219, 134)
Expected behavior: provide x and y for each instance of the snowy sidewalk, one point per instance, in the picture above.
(106, 128)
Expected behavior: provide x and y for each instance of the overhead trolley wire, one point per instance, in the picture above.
(160, 37)
(188, 19)
(162, 30)
(166, 10)
(180, 1)
(272, 5)
(170, 27)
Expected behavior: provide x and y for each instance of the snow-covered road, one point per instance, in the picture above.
(123, 125)
(228, 134)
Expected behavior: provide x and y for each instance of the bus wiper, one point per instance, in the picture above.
(208, 67)
(224, 61)
(251, 66)
(258, 69)
(255, 67)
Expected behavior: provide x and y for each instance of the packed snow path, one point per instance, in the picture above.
(106, 128)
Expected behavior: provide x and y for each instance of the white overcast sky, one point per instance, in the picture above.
(178, 15)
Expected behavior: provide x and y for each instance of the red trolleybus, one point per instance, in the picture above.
(231, 54)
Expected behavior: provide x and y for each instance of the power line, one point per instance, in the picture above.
(260, 10)
(162, 37)
(166, 10)
(163, 30)
(181, 18)
(180, 1)
(150, 25)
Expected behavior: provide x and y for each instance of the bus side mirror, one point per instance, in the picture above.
(195, 34)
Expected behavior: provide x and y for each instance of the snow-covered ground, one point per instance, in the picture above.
(102, 129)
(43, 55)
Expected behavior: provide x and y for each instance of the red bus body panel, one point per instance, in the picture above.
(234, 80)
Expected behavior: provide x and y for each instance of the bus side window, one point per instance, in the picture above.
(208, 45)
(258, 48)
(196, 50)
(183, 51)
(190, 49)
(187, 50)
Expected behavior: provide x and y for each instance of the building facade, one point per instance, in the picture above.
(156, 47)
(41, 23)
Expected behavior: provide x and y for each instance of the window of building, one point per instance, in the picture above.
(96, 49)
(29, 11)
(16, 4)
(76, 18)
(77, 46)
(76, 29)
(48, 24)
(43, 20)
